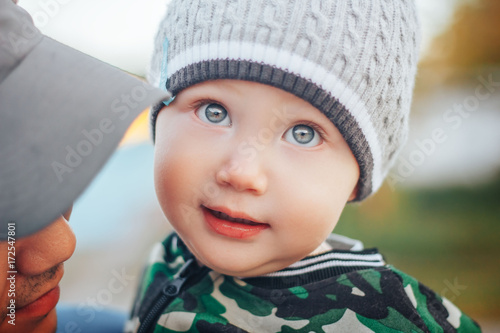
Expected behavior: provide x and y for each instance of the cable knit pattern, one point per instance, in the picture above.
(354, 60)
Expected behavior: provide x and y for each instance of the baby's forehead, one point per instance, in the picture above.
(234, 89)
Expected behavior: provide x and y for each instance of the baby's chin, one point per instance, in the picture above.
(238, 272)
(228, 269)
(235, 258)
(242, 268)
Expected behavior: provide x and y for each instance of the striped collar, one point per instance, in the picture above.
(347, 256)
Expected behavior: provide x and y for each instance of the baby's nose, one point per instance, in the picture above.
(243, 173)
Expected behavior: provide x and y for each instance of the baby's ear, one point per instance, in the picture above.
(354, 193)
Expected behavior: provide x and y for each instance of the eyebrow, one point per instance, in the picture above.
(214, 91)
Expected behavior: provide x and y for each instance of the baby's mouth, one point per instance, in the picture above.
(232, 224)
(226, 217)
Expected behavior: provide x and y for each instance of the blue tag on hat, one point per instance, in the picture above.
(164, 65)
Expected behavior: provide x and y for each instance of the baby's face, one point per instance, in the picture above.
(251, 177)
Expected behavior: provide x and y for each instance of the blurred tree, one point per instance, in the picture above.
(472, 39)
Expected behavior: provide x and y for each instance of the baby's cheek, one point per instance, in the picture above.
(176, 178)
(168, 175)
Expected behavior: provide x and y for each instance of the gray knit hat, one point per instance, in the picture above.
(354, 60)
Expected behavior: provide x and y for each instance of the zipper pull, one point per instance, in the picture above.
(173, 288)
(169, 292)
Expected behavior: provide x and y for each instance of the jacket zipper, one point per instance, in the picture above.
(169, 292)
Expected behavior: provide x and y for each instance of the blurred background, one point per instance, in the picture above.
(437, 217)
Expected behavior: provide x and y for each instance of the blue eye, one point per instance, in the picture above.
(214, 113)
(303, 135)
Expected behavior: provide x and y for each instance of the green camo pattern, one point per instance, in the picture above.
(370, 300)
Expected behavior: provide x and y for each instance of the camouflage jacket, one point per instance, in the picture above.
(344, 290)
